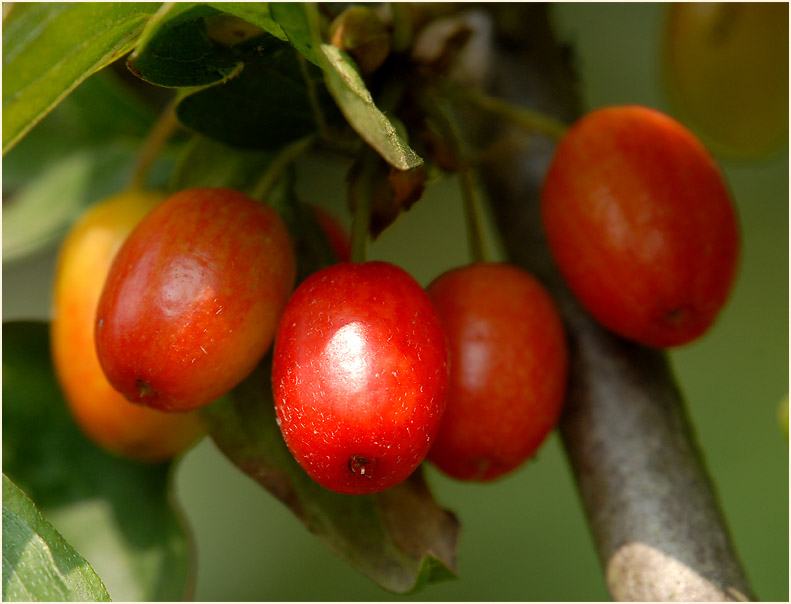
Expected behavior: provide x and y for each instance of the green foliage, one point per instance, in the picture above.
(255, 13)
(176, 51)
(41, 212)
(353, 98)
(120, 515)
(300, 23)
(254, 94)
(79, 154)
(49, 48)
(38, 564)
(205, 162)
(267, 105)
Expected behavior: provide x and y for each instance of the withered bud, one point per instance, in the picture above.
(392, 191)
(359, 31)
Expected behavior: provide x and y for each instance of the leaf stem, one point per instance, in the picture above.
(160, 133)
(279, 164)
(466, 172)
(526, 119)
(402, 26)
(315, 106)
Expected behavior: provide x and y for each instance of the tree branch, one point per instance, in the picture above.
(652, 510)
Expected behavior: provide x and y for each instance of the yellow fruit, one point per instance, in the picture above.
(106, 417)
(726, 66)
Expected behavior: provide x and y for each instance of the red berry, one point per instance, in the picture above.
(337, 235)
(641, 225)
(106, 417)
(359, 376)
(193, 297)
(508, 369)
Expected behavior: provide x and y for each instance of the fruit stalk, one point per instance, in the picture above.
(360, 193)
(467, 182)
(655, 519)
(160, 133)
(288, 156)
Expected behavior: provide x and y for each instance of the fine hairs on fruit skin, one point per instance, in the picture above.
(193, 298)
(641, 224)
(359, 376)
(508, 369)
(103, 414)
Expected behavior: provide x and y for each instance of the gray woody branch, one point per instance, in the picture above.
(658, 529)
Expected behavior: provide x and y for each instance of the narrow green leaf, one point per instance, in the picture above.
(118, 514)
(300, 21)
(399, 538)
(49, 48)
(175, 50)
(355, 102)
(38, 563)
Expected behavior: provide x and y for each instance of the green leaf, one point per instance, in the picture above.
(176, 51)
(399, 538)
(100, 110)
(208, 163)
(79, 154)
(295, 20)
(300, 21)
(118, 514)
(266, 106)
(49, 48)
(39, 214)
(257, 13)
(355, 102)
(38, 563)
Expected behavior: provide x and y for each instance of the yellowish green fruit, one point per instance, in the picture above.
(726, 68)
(782, 415)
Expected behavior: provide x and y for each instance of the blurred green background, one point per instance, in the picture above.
(525, 537)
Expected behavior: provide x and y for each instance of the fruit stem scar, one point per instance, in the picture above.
(143, 388)
(362, 465)
(676, 316)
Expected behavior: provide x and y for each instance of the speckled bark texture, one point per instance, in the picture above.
(652, 509)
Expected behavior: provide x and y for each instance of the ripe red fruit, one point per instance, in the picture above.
(359, 376)
(106, 417)
(193, 297)
(337, 235)
(508, 369)
(641, 225)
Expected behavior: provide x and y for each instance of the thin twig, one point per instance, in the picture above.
(162, 130)
(315, 106)
(531, 121)
(279, 164)
(466, 173)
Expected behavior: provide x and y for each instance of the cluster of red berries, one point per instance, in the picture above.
(372, 373)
